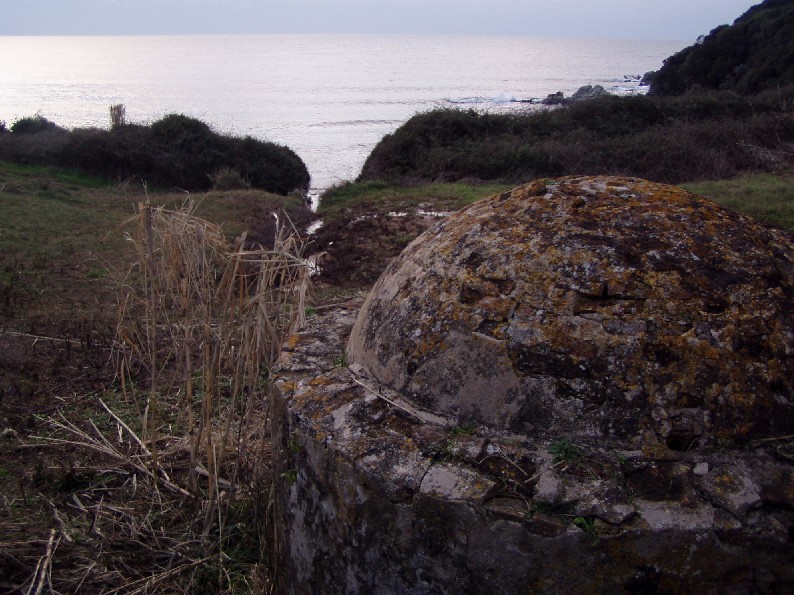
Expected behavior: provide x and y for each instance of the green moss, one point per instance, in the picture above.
(566, 452)
(97, 273)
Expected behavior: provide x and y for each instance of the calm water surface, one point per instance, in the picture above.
(330, 98)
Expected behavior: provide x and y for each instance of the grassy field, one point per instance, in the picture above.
(768, 198)
(764, 197)
(382, 197)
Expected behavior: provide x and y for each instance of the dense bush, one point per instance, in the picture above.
(228, 178)
(695, 136)
(32, 125)
(753, 54)
(267, 165)
(39, 148)
(174, 152)
(120, 154)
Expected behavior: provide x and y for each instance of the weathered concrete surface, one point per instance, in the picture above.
(591, 459)
(595, 306)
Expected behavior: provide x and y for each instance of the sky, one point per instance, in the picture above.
(610, 19)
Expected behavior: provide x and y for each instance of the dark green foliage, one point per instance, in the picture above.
(696, 136)
(267, 165)
(174, 152)
(181, 132)
(3, 127)
(32, 125)
(566, 452)
(40, 148)
(753, 54)
(119, 155)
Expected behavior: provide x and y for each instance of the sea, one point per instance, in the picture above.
(330, 98)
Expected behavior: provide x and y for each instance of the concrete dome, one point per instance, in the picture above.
(532, 402)
(591, 306)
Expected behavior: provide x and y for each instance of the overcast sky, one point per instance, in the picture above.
(634, 19)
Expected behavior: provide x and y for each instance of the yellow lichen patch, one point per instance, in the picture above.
(287, 386)
(320, 380)
(728, 482)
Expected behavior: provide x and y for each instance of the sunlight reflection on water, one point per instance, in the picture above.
(330, 98)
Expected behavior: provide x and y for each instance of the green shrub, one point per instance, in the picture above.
(174, 152)
(267, 165)
(699, 135)
(182, 132)
(228, 178)
(39, 148)
(32, 125)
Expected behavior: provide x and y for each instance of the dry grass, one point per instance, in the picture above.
(171, 490)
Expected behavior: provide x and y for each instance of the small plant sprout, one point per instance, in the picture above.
(566, 452)
(465, 429)
(587, 524)
(290, 475)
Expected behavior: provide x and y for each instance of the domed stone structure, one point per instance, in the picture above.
(600, 307)
(584, 384)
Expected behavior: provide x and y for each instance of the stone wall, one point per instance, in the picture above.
(387, 485)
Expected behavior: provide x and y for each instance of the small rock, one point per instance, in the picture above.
(549, 488)
(665, 516)
(557, 98)
(455, 483)
(731, 489)
(513, 509)
(547, 525)
(701, 469)
(589, 92)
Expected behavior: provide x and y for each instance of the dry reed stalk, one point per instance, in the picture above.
(43, 568)
(202, 321)
(213, 318)
(96, 441)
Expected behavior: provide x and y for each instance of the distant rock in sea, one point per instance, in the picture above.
(583, 93)
(557, 98)
(589, 92)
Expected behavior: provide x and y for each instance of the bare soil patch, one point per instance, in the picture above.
(358, 246)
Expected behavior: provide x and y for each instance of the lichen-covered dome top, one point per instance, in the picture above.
(592, 306)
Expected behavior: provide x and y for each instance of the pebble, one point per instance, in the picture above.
(701, 469)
